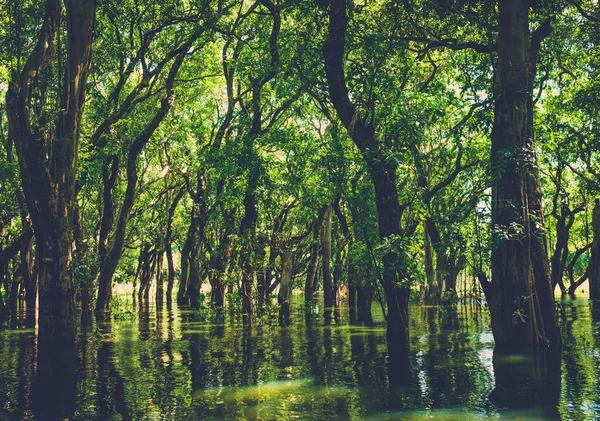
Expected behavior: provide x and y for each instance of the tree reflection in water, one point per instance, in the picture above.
(170, 365)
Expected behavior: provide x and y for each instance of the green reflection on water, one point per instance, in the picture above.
(164, 365)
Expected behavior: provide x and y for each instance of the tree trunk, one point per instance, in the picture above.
(328, 291)
(248, 237)
(146, 277)
(364, 302)
(433, 292)
(197, 235)
(48, 166)
(594, 265)
(182, 296)
(558, 261)
(518, 300)
(285, 288)
(383, 175)
(313, 266)
(538, 239)
(160, 288)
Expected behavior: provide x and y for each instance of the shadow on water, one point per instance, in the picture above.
(166, 364)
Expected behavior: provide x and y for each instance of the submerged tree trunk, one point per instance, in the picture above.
(48, 166)
(148, 259)
(285, 288)
(182, 297)
(313, 266)
(519, 294)
(198, 222)
(328, 291)
(594, 265)
(160, 288)
(364, 302)
(169, 244)
(248, 236)
(433, 292)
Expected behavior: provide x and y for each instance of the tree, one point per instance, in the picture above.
(47, 152)
(520, 296)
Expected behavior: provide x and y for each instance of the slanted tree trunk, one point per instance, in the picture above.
(383, 175)
(574, 284)
(520, 304)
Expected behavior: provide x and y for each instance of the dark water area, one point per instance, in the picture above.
(167, 365)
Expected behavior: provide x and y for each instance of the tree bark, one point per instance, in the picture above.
(518, 294)
(48, 164)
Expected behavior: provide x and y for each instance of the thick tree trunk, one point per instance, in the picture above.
(594, 264)
(538, 239)
(48, 166)
(519, 293)
(28, 276)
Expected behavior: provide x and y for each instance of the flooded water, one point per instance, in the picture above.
(168, 365)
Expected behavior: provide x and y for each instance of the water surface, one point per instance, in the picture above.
(169, 365)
